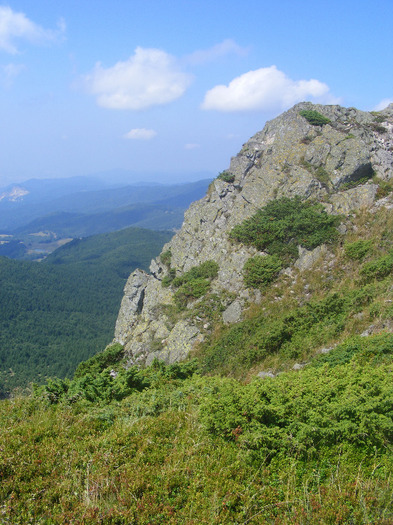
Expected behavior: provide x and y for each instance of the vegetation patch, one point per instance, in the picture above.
(284, 224)
(384, 187)
(260, 271)
(192, 284)
(379, 268)
(226, 176)
(166, 257)
(357, 250)
(314, 117)
(304, 413)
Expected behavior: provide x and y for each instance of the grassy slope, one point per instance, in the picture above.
(309, 446)
(57, 313)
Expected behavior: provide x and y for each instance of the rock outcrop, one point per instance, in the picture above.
(340, 164)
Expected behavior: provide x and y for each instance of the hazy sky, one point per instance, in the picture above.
(175, 86)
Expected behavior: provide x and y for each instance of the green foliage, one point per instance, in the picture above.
(357, 250)
(379, 268)
(206, 270)
(102, 379)
(378, 128)
(59, 312)
(288, 334)
(166, 257)
(188, 449)
(373, 350)
(192, 289)
(314, 117)
(285, 223)
(167, 280)
(322, 175)
(260, 271)
(384, 187)
(302, 413)
(192, 284)
(210, 308)
(226, 176)
(96, 364)
(355, 183)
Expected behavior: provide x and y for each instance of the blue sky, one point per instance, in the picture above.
(170, 88)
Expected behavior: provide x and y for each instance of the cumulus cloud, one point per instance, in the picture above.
(265, 89)
(148, 78)
(140, 134)
(14, 26)
(383, 104)
(226, 47)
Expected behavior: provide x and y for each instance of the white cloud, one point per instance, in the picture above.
(383, 104)
(14, 26)
(265, 89)
(226, 47)
(140, 134)
(148, 78)
(10, 72)
(191, 146)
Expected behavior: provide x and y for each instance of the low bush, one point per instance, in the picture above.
(357, 250)
(302, 413)
(193, 289)
(206, 270)
(226, 176)
(96, 364)
(284, 224)
(378, 269)
(314, 117)
(260, 271)
(166, 257)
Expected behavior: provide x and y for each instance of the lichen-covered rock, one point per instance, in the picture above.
(131, 304)
(182, 337)
(332, 163)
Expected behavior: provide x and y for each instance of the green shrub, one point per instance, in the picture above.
(206, 270)
(192, 289)
(384, 187)
(260, 271)
(378, 269)
(314, 117)
(285, 223)
(357, 250)
(96, 364)
(226, 177)
(168, 279)
(166, 257)
(322, 175)
(300, 414)
(373, 350)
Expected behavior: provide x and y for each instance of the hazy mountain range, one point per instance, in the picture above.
(36, 216)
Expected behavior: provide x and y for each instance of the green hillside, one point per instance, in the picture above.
(208, 440)
(59, 312)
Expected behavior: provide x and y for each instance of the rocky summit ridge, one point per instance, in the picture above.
(340, 163)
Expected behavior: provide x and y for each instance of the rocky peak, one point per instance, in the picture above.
(333, 162)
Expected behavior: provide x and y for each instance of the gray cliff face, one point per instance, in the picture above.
(332, 163)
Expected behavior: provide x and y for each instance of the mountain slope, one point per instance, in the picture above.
(343, 160)
(57, 313)
(285, 415)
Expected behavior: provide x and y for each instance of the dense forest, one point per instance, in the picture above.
(59, 312)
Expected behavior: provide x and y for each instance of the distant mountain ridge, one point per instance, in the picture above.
(84, 196)
(38, 217)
